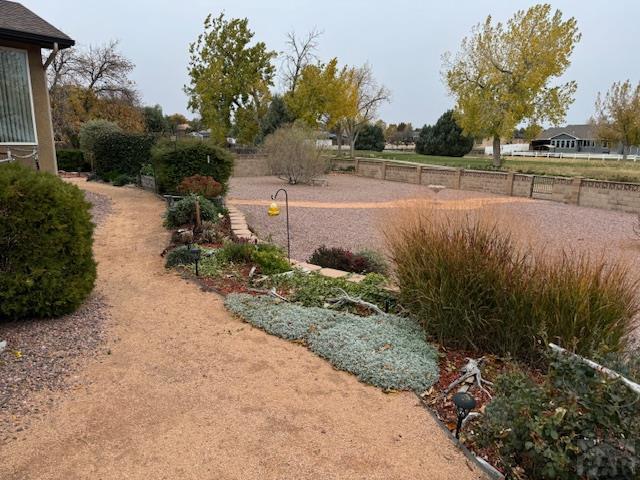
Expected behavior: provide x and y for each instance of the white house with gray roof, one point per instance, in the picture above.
(574, 139)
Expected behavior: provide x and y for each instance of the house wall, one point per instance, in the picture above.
(576, 191)
(42, 109)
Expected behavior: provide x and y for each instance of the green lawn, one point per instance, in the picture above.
(627, 171)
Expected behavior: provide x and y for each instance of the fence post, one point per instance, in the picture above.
(509, 189)
(458, 184)
(419, 174)
(384, 170)
(356, 164)
(574, 196)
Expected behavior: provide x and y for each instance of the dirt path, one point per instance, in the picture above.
(188, 392)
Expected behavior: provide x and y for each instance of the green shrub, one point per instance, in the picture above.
(269, 258)
(179, 256)
(577, 425)
(118, 153)
(175, 162)
(147, 170)
(472, 288)
(338, 258)
(90, 132)
(46, 261)
(183, 212)
(70, 160)
(123, 179)
(386, 351)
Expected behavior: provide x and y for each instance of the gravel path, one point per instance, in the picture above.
(190, 392)
(345, 215)
(42, 356)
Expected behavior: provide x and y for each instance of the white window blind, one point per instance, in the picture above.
(16, 111)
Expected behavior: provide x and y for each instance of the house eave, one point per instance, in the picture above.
(42, 41)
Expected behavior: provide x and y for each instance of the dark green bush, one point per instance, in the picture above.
(473, 288)
(185, 158)
(179, 256)
(270, 258)
(444, 138)
(338, 258)
(46, 262)
(371, 137)
(576, 425)
(183, 212)
(123, 179)
(70, 160)
(119, 153)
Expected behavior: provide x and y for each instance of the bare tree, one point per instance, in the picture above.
(369, 95)
(300, 53)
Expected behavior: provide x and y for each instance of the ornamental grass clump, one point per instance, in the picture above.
(473, 286)
(387, 351)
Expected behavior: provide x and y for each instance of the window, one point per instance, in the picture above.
(16, 105)
(573, 144)
(561, 143)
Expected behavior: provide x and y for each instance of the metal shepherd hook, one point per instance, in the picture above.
(286, 202)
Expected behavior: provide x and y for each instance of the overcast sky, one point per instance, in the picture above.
(403, 41)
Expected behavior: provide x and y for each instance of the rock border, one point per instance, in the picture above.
(240, 230)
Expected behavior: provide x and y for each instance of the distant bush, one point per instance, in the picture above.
(119, 153)
(90, 132)
(371, 137)
(46, 261)
(183, 212)
(70, 160)
(185, 158)
(342, 259)
(445, 138)
(204, 186)
(386, 351)
(473, 288)
(123, 179)
(294, 155)
(577, 424)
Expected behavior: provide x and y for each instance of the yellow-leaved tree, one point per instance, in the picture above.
(502, 74)
(618, 115)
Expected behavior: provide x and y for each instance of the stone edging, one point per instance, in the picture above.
(240, 230)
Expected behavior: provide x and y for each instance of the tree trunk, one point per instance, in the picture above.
(625, 151)
(339, 140)
(497, 161)
(352, 146)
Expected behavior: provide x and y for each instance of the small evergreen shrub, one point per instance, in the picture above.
(183, 212)
(179, 256)
(386, 351)
(46, 260)
(89, 134)
(269, 258)
(123, 179)
(185, 158)
(338, 258)
(119, 153)
(71, 160)
(577, 424)
(201, 185)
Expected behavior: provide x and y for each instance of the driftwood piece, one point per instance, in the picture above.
(271, 292)
(345, 299)
(634, 387)
(471, 370)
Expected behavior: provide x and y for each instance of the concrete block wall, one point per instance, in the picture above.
(491, 182)
(250, 166)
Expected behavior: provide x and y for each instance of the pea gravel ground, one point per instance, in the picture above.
(43, 356)
(190, 392)
(354, 212)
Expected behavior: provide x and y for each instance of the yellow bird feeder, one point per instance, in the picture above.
(274, 210)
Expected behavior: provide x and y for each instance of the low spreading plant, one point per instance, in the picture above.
(577, 424)
(338, 258)
(179, 256)
(473, 288)
(269, 258)
(313, 290)
(183, 212)
(202, 185)
(386, 351)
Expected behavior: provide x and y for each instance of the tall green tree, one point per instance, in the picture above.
(154, 120)
(618, 115)
(371, 138)
(230, 78)
(445, 138)
(277, 115)
(502, 74)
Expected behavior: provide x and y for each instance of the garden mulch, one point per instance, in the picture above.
(43, 355)
(190, 392)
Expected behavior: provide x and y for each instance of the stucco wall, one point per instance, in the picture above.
(41, 106)
(250, 166)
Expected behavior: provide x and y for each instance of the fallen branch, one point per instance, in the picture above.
(347, 299)
(471, 370)
(596, 366)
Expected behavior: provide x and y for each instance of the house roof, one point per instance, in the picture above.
(19, 24)
(579, 132)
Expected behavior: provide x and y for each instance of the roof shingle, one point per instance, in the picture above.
(581, 132)
(18, 23)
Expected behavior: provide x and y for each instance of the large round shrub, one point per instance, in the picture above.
(120, 153)
(46, 262)
(176, 161)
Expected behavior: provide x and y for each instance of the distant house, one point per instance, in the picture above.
(25, 115)
(571, 139)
